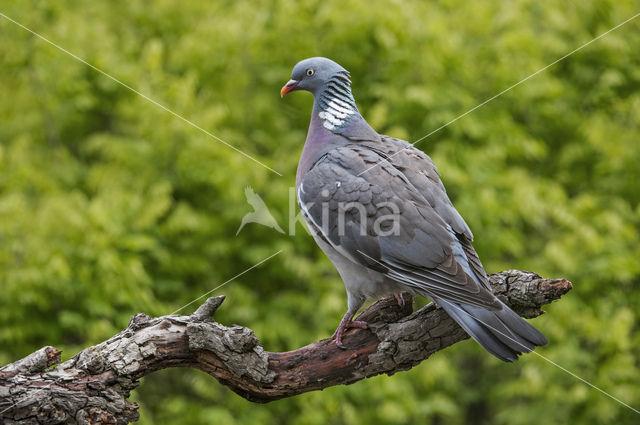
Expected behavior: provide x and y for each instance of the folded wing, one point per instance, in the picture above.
(382, 220)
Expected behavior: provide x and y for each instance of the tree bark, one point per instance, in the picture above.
(93, 386)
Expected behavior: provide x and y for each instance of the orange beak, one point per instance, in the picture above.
(291, 85)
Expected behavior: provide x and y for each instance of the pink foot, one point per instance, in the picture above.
(344, 324)
(399, 299)
(358, 324)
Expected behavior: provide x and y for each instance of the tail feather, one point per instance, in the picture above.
(502, 333)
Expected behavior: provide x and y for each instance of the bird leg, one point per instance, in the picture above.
(399, 298)
(347, 322)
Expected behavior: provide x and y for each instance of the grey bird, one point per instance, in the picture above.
(377, 208)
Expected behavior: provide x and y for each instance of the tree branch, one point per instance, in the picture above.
(93, 386)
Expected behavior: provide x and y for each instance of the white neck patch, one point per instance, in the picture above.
(336, 113)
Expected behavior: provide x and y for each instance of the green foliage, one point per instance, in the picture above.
(110, 206)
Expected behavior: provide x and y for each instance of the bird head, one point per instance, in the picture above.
(312, 74)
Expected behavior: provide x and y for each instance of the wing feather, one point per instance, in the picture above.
(345, 206)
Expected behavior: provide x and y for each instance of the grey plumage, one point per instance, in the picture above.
(391, 228)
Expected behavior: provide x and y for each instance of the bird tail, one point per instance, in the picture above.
(501, 332)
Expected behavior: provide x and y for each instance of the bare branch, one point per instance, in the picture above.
(94, 385)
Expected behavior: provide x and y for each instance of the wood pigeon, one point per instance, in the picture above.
(377, 208)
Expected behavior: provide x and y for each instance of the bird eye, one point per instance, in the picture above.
(310, 72)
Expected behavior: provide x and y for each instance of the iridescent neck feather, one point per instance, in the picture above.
(335, 103)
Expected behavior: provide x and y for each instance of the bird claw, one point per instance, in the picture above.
(358, 324)
(337, 335)
(399, 298)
